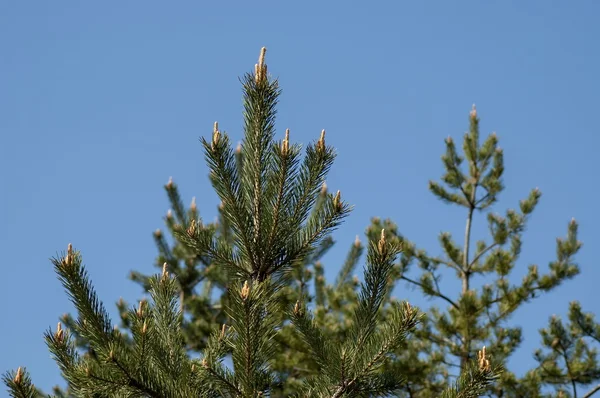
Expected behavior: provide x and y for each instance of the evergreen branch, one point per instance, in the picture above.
(592, 391)
(94, 323)
(312, 336)
(19, 384)
(225, 179)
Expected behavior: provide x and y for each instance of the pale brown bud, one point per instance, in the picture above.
(357, 241)
(193, 204)
(68, 260)
(204, 362)
(59, 334)
(355, 280)
(144, 327)
(285, 145)
(245, 291)
(260, 69)
(19, 376)
(337, 201)
(169, 214)
(324, 188)
(381, 243)
(216, 135)
(170, 183)
(191, 231)
(193, 367)
(165, 273)
(321, 142)
(482, 360)
(111, 355)
(297, 308)
(141, 307)
(238, 148)
(473, 112)
(158, 233)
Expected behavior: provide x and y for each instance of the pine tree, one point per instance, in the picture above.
(480, 314)
(277, 217)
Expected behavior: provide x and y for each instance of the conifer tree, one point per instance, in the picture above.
(277, 217)
(479, 314)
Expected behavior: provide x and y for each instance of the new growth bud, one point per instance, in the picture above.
(216, 135)
(191, 231)
(59, 334)
(324, 188)
(260, 69)
(285, 145)
(140, 310)
(337, 201)
(19, 376)
(170, 183)
(158, 233)
(297, 308)
(483, 361)
(193, 204)
(165, 273)
(238, 148)
(245, 291)
(68, 260)
(169, 214)
(473, 112)
(321, 142)
(381, 243)
(357, 241)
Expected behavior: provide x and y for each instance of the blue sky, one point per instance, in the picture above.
(101, 103)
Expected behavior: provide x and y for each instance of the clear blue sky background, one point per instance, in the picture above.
(100, 103)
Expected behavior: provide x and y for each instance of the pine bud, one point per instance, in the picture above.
(381, 243)
(141, 307)
(144, 327)
(165, 273)
(19, 376)
(157, 233)
(238, 148)
(223, 330)
(260, 69)
(216, 135)
(68, 260)
(484, 363)
(191, 231)
(321, 142)
(193, 367)
(473, 113)
(324, 188)
(111, 355)
(297, 308)
(59, 334)
(170, 183)
(357, 241)
(204, 363)
(337, 202)
(169, 214)
(245, 291)
(193, 204)
(285, 145)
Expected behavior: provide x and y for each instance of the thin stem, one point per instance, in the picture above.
(592, 391)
